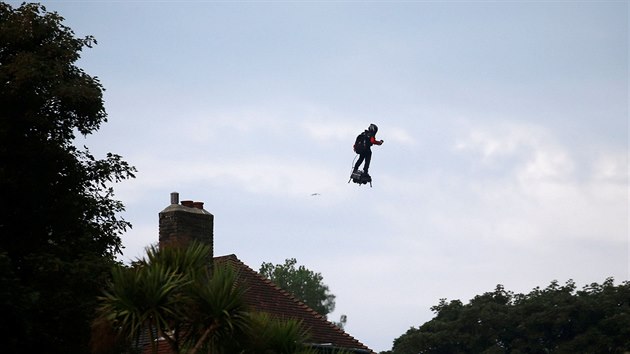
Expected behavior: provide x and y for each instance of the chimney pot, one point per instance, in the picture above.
(188, 203)
(174, 198)
(198, 205)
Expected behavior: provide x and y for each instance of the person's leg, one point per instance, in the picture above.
(359, 161)
(368, 158)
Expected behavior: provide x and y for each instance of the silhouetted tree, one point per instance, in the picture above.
(557, 319)
(59, 229)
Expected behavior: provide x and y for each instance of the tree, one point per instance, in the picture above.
(171, 294)
(304, 284)
(59, 229)
(174, 294)
(558, 319)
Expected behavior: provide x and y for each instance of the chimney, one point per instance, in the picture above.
(182, 223)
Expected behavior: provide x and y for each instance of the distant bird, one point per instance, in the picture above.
(314, 194)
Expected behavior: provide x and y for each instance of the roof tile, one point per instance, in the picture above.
(263, 295)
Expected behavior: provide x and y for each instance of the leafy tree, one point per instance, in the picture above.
(174, 294)
(59, 230)
(556, 319)
(303, 283)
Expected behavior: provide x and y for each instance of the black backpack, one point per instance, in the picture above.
(361, 143)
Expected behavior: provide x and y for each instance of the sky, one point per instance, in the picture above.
(505, 128)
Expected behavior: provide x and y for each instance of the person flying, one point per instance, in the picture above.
(363, 146)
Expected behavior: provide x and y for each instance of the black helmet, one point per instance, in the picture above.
(373, 129)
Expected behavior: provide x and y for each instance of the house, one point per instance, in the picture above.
(181, 223)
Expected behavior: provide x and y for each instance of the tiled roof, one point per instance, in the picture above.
(265, 296)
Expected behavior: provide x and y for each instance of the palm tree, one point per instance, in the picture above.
(175, 295)
(277, 336)
(217, 313)
(144, 299)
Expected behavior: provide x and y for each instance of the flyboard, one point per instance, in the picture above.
(359, 177)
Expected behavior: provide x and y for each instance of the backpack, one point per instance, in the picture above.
(361, 143)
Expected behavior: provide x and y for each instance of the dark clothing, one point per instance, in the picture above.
(367, 154)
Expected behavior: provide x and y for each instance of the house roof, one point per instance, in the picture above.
(264, 296)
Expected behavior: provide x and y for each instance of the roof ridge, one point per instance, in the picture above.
(290, 296)
(275, 286)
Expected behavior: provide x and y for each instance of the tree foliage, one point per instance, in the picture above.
(174, 294)
(303, 283)
(59, 229)
(557, 319)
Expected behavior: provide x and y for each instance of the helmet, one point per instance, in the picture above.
(373, 129)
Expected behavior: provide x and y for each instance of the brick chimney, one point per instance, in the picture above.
(182, 223)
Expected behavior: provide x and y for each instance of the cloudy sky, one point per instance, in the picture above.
(505, 125)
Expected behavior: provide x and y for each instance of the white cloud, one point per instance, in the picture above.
(502, 140)
(547, 162)
(532, 152)
(612, 167)
(541, 190)
(257, 174)
(331, 131)
(399, 136)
